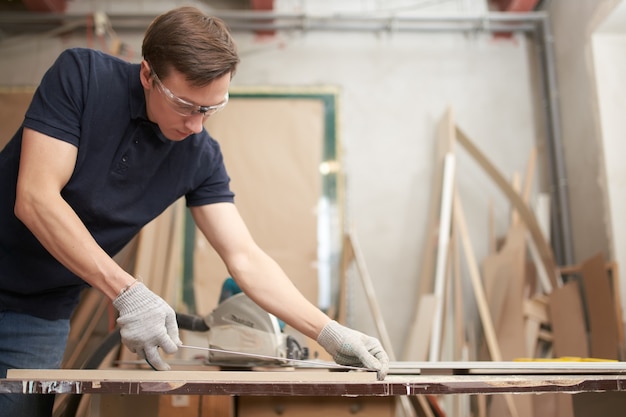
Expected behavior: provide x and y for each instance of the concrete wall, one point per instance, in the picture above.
(393, 92)
(609, 63)
(394, 89)
(582, 137)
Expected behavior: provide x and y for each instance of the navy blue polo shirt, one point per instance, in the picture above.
(126, 174)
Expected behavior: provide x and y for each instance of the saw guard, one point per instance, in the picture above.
(239, 324)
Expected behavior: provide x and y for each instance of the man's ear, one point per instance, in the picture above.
(145, 74)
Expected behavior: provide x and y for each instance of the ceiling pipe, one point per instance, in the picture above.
(56, 6)
(562, 240)
(534, 24)
(253, 20)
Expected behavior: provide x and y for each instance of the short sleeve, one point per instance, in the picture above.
(57, 105)
(214, 186)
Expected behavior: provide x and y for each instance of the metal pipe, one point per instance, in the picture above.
(242, 20)
(561, 223)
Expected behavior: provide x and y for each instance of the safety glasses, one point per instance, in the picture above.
(183, 107)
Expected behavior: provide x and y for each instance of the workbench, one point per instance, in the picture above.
(437, 378)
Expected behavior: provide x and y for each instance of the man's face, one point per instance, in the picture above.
(178, 107)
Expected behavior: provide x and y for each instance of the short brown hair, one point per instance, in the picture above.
(197, 45)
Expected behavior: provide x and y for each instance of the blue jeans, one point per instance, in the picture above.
(28, 342)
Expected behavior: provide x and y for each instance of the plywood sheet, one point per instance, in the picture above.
(504, 273)
(504, 277)
(136, 375)
(600, 303)
(272, 149)
(394, 385)
(568, 321)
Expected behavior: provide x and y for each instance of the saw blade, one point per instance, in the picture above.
(319, 364)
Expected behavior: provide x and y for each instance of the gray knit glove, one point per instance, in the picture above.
(146, 323)
(352, 348)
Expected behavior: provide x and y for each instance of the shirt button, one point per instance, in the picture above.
(124, 158)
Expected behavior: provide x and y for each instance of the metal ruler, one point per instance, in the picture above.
(310, 363)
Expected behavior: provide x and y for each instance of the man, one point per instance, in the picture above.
(104, 148)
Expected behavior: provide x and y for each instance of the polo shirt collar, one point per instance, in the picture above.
(138, 102)
(137, 97)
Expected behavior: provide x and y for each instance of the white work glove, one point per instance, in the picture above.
(352, 348)
(147, 322)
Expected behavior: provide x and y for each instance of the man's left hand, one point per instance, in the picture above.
(353, 348)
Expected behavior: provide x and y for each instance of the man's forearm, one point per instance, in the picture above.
(62, 233)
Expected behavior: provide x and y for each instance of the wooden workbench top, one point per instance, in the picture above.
(299, 383)
(148, 375)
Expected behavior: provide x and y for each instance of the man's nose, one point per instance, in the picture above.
(194, 122)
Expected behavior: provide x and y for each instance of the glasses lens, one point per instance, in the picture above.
(185, 108)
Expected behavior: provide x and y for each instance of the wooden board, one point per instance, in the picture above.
(479, 292)
(503, 275)
(93, 382)
(505, 270)
(136, 375)
(612, 273)
(476, 281)
(273, 160)
(568, 321)
(600, 307)
(517, 367)
(397, 371)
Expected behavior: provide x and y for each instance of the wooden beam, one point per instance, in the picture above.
(479, 293)
(352, 245)
(477, 282)
(530, 173)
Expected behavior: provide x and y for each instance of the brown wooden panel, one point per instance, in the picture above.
(504, 273)
(272, 149)
(600, 307)
(397, 385)
(568, 321)
(13, 105)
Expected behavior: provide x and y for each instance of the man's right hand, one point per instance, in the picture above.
(147, 322)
